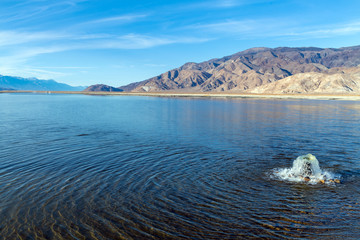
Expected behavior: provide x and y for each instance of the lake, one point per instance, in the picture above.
(125, 167)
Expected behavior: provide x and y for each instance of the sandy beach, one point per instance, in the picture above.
(349, 97)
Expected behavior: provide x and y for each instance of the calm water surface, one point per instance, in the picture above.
(117, 167)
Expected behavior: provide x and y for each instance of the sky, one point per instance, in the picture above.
(117, 42)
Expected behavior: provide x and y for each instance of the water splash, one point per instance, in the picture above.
(306, 169)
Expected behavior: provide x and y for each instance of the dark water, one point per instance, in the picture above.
(91, 167)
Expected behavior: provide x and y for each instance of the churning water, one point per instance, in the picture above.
(116, 167)
(306, 169)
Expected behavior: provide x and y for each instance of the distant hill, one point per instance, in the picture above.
(102, 88)
(252, 68)
(34, 84)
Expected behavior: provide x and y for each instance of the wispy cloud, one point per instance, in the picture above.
(43, 74)
(227, 3)
(30, 10)
(276, 27)
(229, 26)
(131, 41)
(243, 29)
(29, 44)
(62, 67)
(20, 37)
(219, 4)
(137, 41)
(24, 53)
(27, 71)
(326, 31)
(16, 63)
(18, 48)
(119, 19)
(235, 3)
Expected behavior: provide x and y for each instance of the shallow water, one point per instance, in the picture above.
(116, 167)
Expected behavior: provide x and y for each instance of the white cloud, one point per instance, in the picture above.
(136, 41)
(43, 74)
(228, 3)
(23, 54)
(119, 19)
(62, 67)
(30, 10)
(17, 37)
(26, 71)
(260, 28)
(18, 48)
(218, 4)
(230, 26)
(328, 31)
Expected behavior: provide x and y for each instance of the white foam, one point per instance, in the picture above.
(306, 169)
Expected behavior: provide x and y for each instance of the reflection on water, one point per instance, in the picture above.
(88, 167)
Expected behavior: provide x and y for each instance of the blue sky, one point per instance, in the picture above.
(116, 42)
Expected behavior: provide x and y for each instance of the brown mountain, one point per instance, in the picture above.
(334, 81)
(246, 70)
(102, 88)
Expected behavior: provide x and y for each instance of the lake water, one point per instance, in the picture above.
(120, 167)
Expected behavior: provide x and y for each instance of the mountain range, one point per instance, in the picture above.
(282, 70)
(34, 84)
(264, 70)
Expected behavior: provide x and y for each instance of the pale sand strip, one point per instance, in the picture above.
(350, 97)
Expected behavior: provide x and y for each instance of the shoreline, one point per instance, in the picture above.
(350, 97)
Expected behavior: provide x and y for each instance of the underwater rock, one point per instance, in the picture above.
(334, 181)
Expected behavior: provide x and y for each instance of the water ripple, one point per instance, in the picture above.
(201, 173)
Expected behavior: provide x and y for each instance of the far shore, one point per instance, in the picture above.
(351, 97)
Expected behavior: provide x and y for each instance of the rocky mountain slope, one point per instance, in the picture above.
(102, 88)
(249, 69)
(333, 81)
(34, 84)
